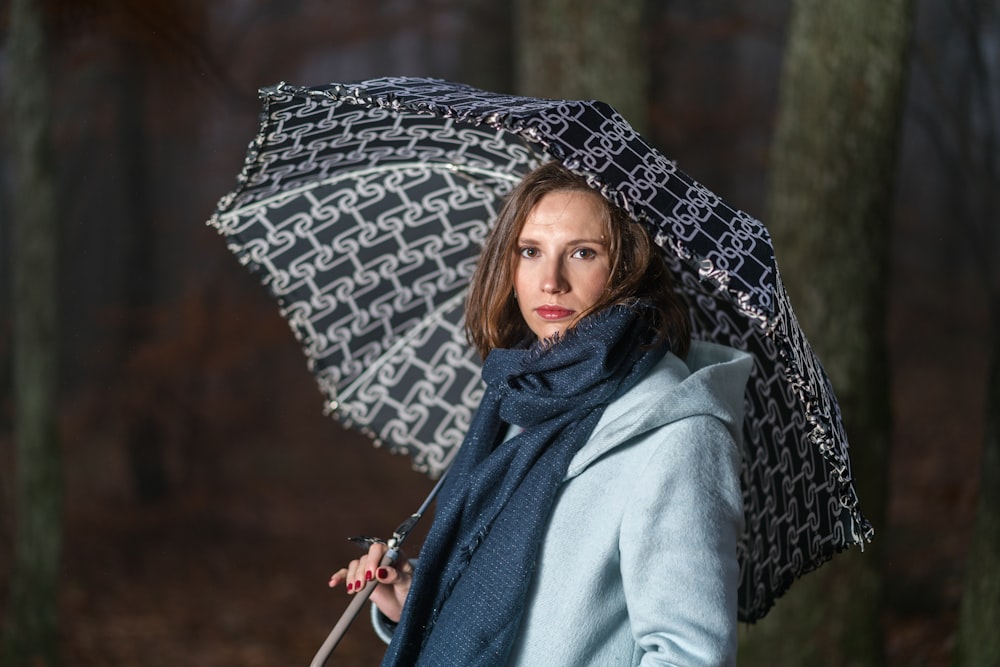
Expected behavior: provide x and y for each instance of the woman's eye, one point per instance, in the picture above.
(528, 252)
(584, 253)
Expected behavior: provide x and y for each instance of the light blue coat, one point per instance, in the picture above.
(639, 565)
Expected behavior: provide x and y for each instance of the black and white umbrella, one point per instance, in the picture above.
(363, 206)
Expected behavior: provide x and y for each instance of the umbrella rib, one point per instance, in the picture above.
(286, 194)
(431, 318)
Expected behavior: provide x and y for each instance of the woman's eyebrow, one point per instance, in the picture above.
(596, 241)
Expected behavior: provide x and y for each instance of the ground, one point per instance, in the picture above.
(235, 574)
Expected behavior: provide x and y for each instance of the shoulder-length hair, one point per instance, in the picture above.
(638, 270)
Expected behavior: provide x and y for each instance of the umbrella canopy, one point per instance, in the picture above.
(363, 206)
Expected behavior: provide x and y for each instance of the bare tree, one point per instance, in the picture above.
(566, 49)
(145, 46)
(978, 641)
(963, 123)
(30, 633)
(829, 209)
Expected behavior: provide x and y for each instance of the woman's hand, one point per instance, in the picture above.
(394, 582)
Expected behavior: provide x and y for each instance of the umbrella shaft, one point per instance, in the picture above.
(361, 597)
(352, 611)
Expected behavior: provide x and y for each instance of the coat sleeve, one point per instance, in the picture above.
(384, 628)
(678, 547)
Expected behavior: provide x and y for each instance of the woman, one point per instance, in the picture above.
(592, 513)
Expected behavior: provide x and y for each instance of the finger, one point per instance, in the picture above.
(356, 574)
(374, 559)
(389, 574)
(386, 575)
(338, 577)
(360, 571)
(355, 577)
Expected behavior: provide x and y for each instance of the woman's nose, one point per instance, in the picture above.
(553, 279)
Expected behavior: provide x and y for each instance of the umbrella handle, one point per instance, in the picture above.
(352, 611)
(361, 597)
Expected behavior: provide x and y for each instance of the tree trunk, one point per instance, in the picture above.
(977, 188)
(978, 640)
(566, 49)
(487, 50)
(833, 167)
(143, 437)
(30, 633)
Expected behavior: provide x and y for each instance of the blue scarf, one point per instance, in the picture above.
(468, 592)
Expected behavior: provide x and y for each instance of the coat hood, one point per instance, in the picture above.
(710, 381)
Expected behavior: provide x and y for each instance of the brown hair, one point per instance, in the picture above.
(638, 270)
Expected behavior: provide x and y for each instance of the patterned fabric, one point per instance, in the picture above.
(363, 206)
(494, 507)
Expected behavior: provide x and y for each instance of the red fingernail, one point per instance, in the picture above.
(369, 576)
(357, 584)
(383, 573)
(349, 587)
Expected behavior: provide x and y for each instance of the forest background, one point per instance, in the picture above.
(206, 497)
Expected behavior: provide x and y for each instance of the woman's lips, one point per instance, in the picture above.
(553, 312)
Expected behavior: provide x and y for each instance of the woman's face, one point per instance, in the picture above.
(563, 265)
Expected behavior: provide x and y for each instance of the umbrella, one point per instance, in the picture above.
(362, 207)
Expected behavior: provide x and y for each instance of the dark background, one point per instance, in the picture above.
(208, 498)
